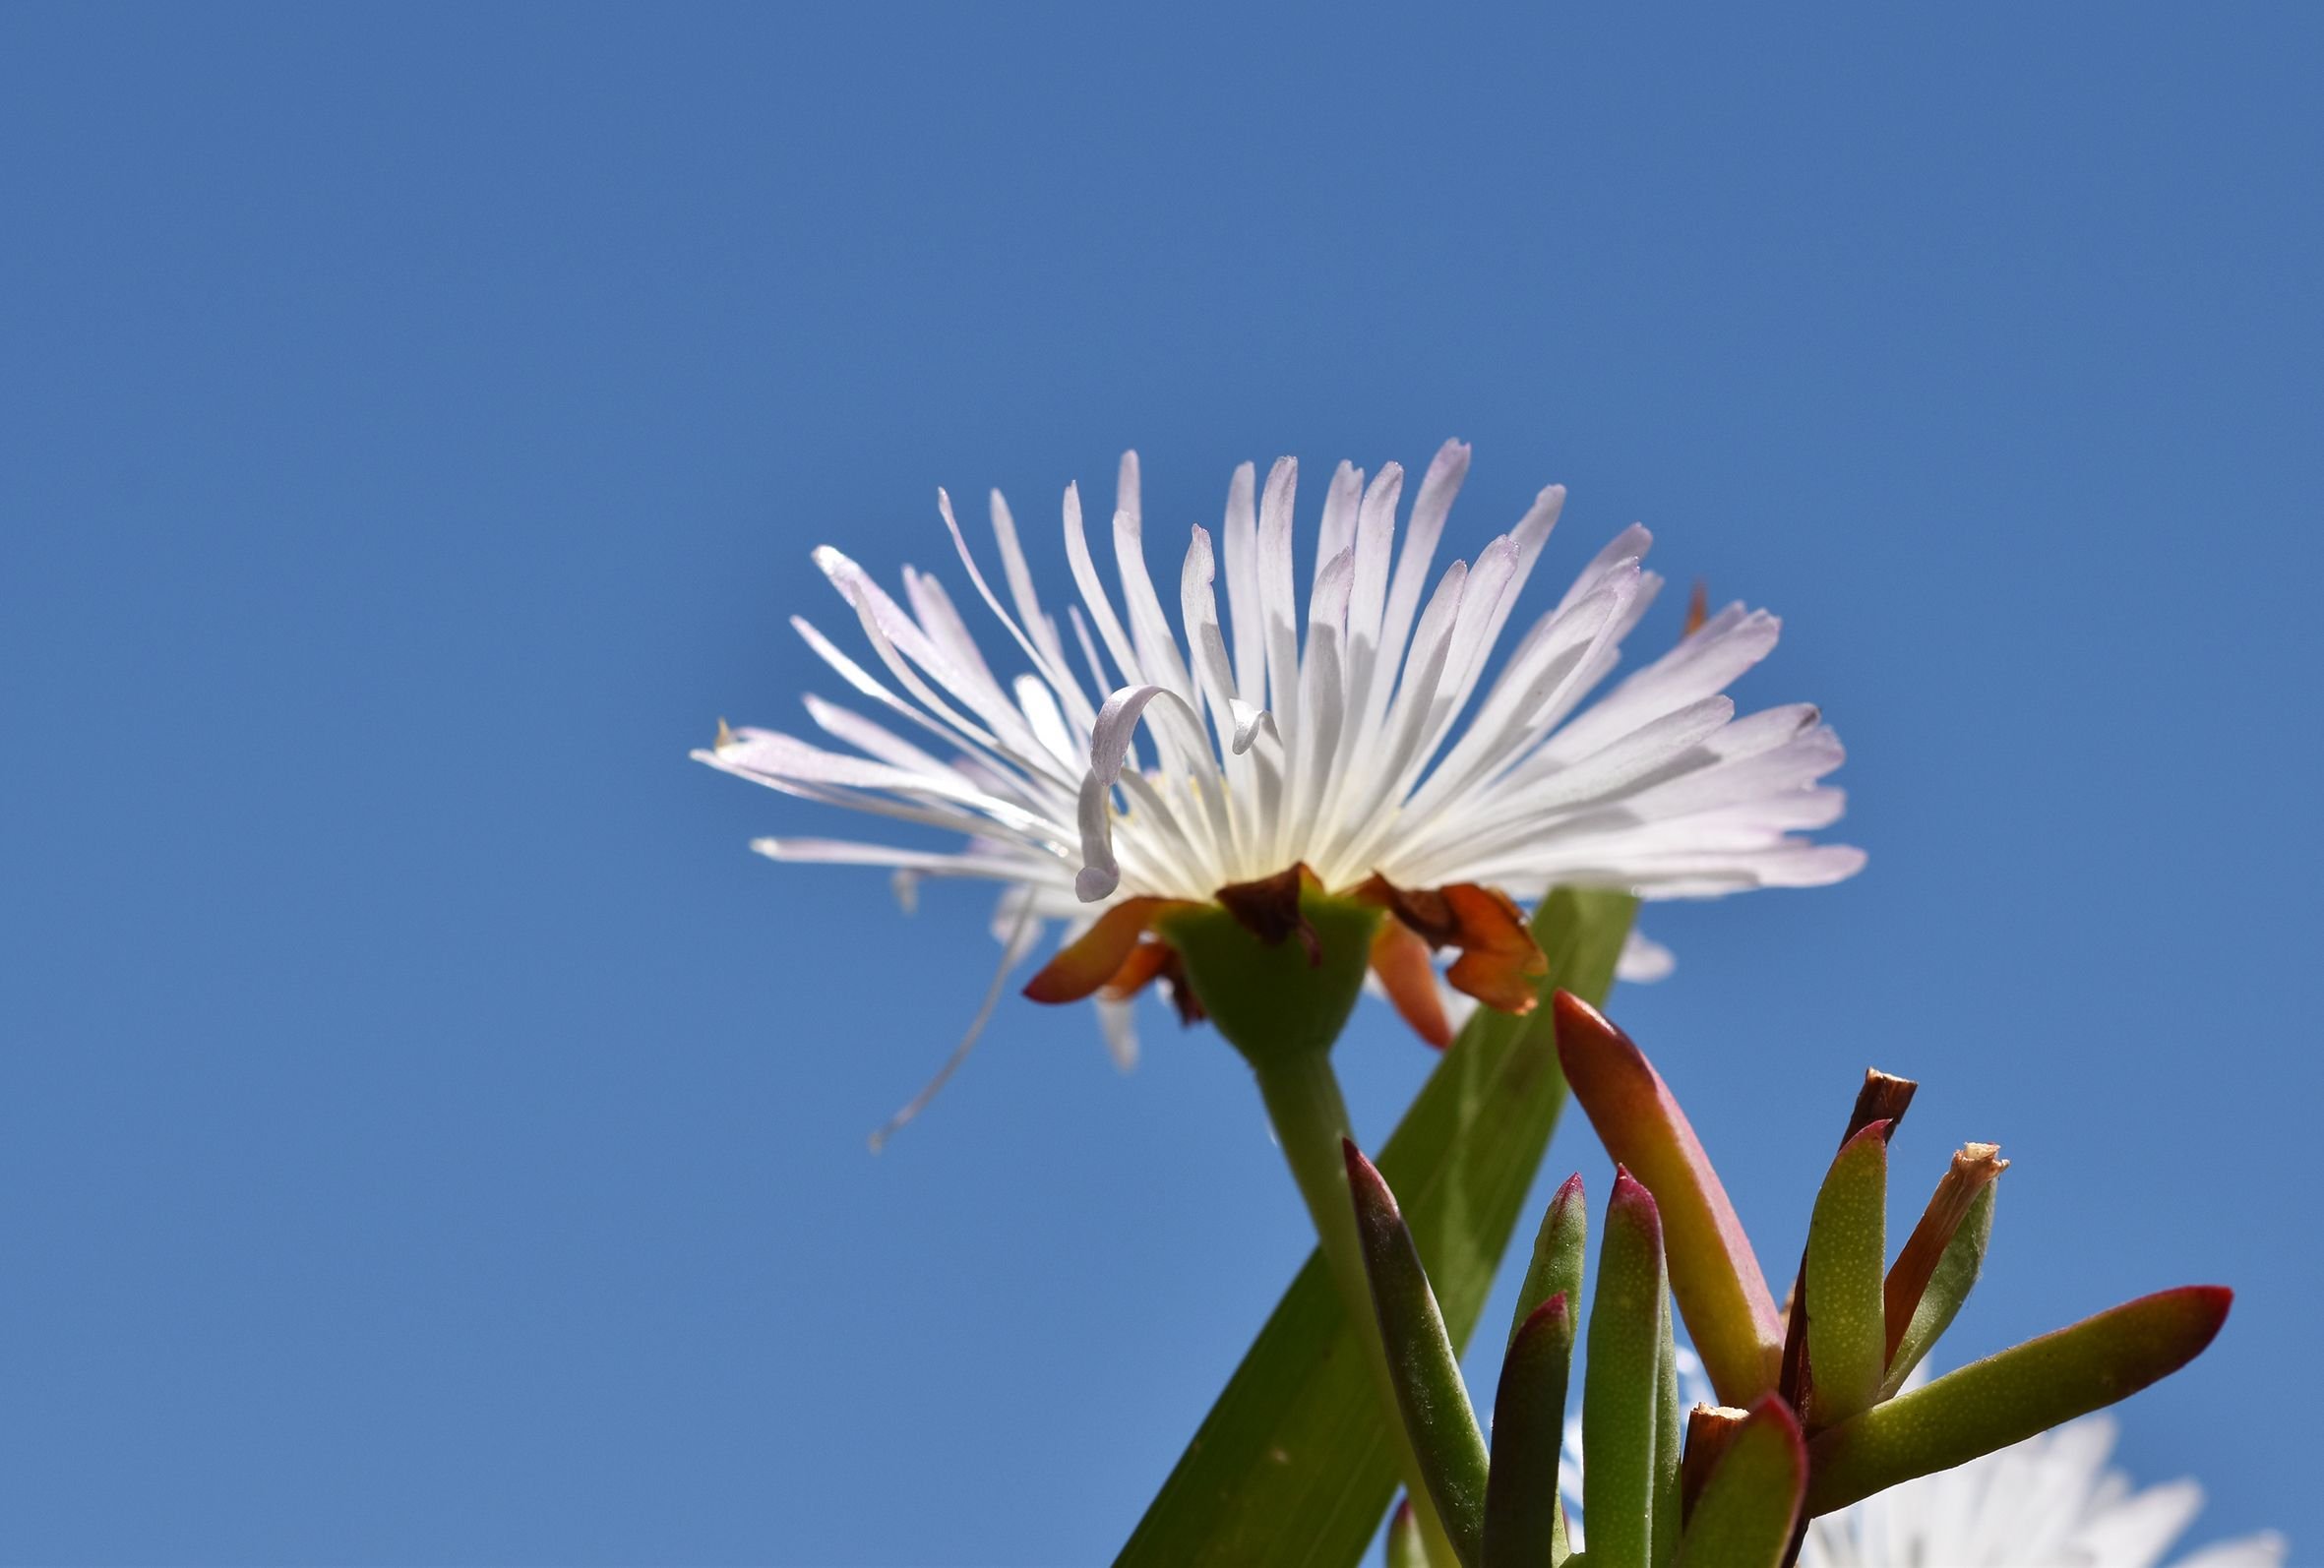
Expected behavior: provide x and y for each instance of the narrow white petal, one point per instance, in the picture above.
(1093, 595)
(1037, 700)
(1278, 607)
(926, 863)
(1429, 509)
(1338, 530)
(1040, 640)
(1118, 1022)
(1643, 960)
(1239, 551)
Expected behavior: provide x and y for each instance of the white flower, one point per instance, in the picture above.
(2049, 1503)
(1362, 739)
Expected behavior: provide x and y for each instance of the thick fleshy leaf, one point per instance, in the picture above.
(1421, 1361)
(1847, 1258)
(1406, 1550)
(1974, 1169)
(1948, 1288)
(1722, 1293)
(1666, 1515)
(1710, 1429)
(2007, 1398)
(1558, 1248)
(1522, 1524)
(1621, 1381)
(1294, 1465)
(1883, 1096)
(1750, 1502)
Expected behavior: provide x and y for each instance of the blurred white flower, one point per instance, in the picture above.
(2049, 1503)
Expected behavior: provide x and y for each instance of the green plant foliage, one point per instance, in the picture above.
(2007, 1398)
(1748, 1507)
(1522, 1524)
(1847, 1265)
(1621, 1383)
(1421, 1362)
(1716, 1275)
(1294, 1465)
(1964, 1258)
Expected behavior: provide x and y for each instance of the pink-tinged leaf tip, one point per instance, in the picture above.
(1364, 1177)
(1550, 1311)
(1714, 1274)
(1631, 1200)
(1880, 1129)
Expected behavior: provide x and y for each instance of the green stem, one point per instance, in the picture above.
(1310, 1118)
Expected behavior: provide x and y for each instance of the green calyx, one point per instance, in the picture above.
(1283, 998)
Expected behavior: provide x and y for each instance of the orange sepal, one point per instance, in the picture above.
(1400, 958)
(1094, 957)
(1499, 960)
(1147, 960)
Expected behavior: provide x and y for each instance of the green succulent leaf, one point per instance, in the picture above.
(1421, 1361)
(1750, 1504)
(1621, 1381)
(1406, 1550)
(1294, 1465)
(1847, 1268)
(1558, 1248)
(1666, 1443)
(1722, 1292)
(1964, 1258)
(1522, 1524)
(2007, 1398)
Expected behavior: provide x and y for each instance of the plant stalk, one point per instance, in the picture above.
(1310, 1118)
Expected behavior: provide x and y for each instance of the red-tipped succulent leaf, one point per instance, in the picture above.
(1714, 1274)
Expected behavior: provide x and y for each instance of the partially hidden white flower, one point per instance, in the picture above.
(2047, 1502)
(1131, 761)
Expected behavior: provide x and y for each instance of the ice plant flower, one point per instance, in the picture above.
(2047, 1502)
(1363, 742)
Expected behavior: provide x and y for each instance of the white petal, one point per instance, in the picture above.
(1643, 960)
(1119, 1021)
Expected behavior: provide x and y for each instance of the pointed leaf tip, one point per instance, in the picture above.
(1422, 1365)
(2009, 1397)
(1846, 1254)
(1521, 1517)
(1621, 1381)
(1714, 1274)
(1941, 1260)
(1557, 1265)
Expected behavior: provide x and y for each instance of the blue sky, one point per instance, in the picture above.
(427, 1135)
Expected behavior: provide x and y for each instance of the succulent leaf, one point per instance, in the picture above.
(1664, 1535)
(1847, 1257)
(1406, 1550)
(2007, 1398)
(1750, 1502)
(1421, 1362)
(1722, 1292)
(1521, 1511)
(1558, 1248)
(1621, 1381)
(1948, 1288)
